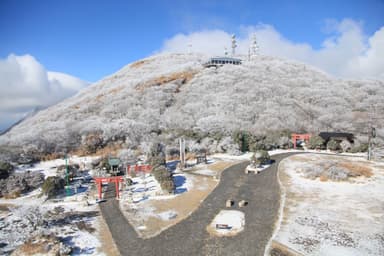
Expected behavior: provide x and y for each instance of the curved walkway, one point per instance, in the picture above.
(190, 237)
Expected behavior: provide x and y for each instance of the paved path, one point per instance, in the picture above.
(190, 237)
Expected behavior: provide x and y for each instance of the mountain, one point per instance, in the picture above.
(169, 95)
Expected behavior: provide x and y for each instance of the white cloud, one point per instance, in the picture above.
(346, 51)
(25, 84)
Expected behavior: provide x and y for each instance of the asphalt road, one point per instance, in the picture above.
(190, 237)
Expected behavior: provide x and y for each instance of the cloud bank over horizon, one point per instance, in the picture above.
(346, 52)
(26, 85)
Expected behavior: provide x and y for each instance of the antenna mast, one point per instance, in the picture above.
(254, 46)
(234, 45)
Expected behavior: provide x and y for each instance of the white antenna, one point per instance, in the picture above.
(189, 47)
(225, 51)
(234, 45)
(254, 46)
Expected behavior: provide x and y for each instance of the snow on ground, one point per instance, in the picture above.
(245, 156)
(24, 221)
(231, 221)
(167, 215)
(32, 204)
(206, 172)
(332, 218)
(49, 168)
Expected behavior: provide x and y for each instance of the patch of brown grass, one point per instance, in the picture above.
(12, 195)
(82, 225)
(99, 97)
(323, 177)
(139, 63)
(185, 76)
(111, 149)
(358, 169)
(51, 156)
(116, 90)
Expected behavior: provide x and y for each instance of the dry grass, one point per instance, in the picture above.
(116, 90)
(12, 195)
(323, 178)
(5, 207)
(139, 63)
(358, 169)
(51, 156)
(45, 245)
(111, 149)
(185, 76)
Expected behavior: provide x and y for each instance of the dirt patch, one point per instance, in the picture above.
(108, 246)
(183, 205)
(183, 77)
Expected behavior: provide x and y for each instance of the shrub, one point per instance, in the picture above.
(5, 169)
(129, 182)
(361, 148)
(316, 142)
(264, 157)
(336, 173)
(164, 177)
(168, 185)
(157, 156)
(333, 145)
(52, 186)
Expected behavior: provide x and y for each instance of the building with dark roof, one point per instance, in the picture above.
(219, 61)
(337, 136)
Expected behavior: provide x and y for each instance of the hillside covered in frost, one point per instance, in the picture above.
(169, 95)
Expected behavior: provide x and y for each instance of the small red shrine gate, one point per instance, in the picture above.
(100, 180)
(295, 136)
(139, 168)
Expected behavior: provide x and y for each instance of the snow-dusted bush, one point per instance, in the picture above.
(228, 145)
(336, 173)
(263, 96)
(312, 171)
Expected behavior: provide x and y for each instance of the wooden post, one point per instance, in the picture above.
(182, 152)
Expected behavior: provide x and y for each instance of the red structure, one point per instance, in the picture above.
(139, 168)
(116, 179)
(295, 137)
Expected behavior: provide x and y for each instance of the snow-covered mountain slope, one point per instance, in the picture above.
(170, 92)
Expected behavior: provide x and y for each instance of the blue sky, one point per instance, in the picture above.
(49, 50)
(92, 39)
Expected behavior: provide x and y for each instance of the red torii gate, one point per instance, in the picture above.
(115, 179)
(296, 136)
